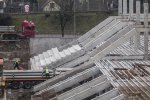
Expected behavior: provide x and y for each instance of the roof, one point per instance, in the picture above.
(45, 2)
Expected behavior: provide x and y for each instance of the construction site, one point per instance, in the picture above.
(109, 62)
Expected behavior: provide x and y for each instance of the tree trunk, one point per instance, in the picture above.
(62, 31)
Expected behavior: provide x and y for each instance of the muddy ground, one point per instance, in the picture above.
(9, 51)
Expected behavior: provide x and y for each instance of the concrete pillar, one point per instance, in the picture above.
(137, 36)
(88, 5)
(124, 7)
(132, 39)
(146, 30)
(11, 2)
(138, 11)
(120, 7)
(131, 8)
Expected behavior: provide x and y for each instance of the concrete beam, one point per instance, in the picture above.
(89, 91)
(74, 42)
(104, 36)
(81, 88)
(70, 81)
(59, 78)
(111, 40)
(119, 97)
(120, 8)
(146, 11)
(114, 45)
(67, 59)
(108, 95)
(131, 8)
(123, 57)
(138, 11)
(76, 62)
(104, 28)
(124, 7)
(137, 36)
(135, 17)
(95, 29)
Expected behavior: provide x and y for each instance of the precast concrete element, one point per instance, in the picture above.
(124, 7)
(91, 33)
(69, 82)
(127, 51)
(146, 39)
(31, 73)
(94, 30)
(67, 59)
(76, 62)
(89, 91)
(123, 57)
(128, 79)
(55, 58)
(119, 97)
(103, 29)
(108, 95)
(137, 36)
(120, 11)
(81, 88)
(74, 42)
(105, 35)
(101, 52)
(111, 40)
(62, 77)
(123, 10)
(131, 9)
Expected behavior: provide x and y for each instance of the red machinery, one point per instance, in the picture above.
(28, 28)
(11, 33)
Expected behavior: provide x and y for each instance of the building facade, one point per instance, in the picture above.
(51, 6)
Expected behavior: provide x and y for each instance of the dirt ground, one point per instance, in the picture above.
(9, 51)
(20, 94)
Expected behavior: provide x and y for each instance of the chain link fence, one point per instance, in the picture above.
(17, 6)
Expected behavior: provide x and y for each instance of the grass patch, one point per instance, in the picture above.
(50, 24)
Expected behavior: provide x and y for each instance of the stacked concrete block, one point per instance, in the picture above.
(52, 56)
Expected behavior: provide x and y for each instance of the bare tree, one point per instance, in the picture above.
(65, 13)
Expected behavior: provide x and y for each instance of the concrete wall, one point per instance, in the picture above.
(42, 43)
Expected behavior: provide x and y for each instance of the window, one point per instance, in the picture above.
(52, 5)
(28, 28)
